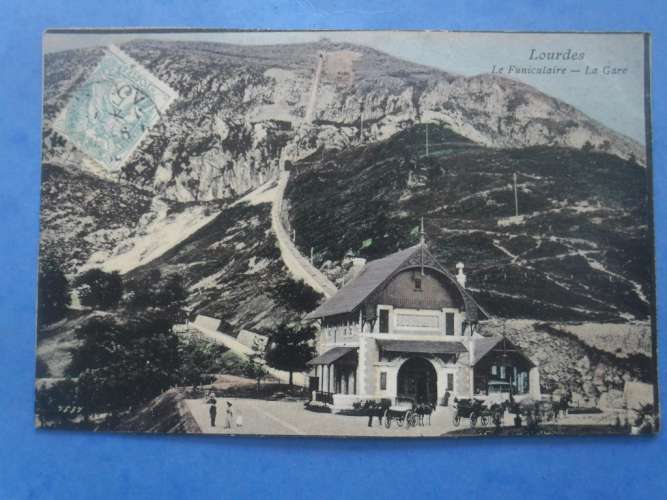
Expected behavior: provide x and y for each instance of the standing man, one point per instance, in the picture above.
(213, 408)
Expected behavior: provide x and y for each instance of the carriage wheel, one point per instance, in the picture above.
(484, 420)
(457, 420)
(473, 419)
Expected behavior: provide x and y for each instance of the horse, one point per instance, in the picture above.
(424, 409)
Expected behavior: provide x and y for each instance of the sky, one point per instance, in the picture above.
(616, 100)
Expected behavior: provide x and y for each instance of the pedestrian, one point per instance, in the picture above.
(369, 407)
(229, 415)
(446, 399)
(497, 419)
(212, 409)
(530, 423)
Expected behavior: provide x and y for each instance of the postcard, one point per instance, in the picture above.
(354, 234)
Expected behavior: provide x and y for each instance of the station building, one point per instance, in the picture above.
(406, 327)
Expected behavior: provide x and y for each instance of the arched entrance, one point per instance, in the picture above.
(418, 380)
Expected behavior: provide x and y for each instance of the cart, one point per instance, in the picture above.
(402, 412)
(473, 409)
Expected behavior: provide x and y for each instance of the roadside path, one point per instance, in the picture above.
(290, 418)
(296, 263)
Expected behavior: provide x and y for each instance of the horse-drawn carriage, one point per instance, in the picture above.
(543, 410)
(406, 411)
(401, 412)
(476, 410)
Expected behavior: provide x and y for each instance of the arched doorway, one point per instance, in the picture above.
(418, 380)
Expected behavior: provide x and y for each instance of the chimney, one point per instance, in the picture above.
(460, 276)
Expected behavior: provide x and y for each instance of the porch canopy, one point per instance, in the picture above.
(422, 346)
(331, 355)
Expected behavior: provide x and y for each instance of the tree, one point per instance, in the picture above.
(291, 348)
(98, 289)
(198, 359)
(53, 293)
(298, 296)
(254, 367)
(119, 365)
(165, 297)
(171, 299)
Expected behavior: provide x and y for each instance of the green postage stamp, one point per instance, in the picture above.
(112, 111)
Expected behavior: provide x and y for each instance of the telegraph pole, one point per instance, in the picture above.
(361, 122)
(427, 139)
(516, 198)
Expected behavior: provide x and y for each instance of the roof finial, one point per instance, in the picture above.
(421, 244)
(421, 232)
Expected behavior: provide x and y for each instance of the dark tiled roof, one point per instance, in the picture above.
(330, 356)
(376, 272)
(422, 346)
(371, 276)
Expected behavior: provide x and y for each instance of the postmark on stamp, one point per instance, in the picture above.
(111, 112)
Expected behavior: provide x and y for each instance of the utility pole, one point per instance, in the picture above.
(361, 122)
(516, 198)
(427, 139)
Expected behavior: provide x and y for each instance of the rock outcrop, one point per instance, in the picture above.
(243, 110)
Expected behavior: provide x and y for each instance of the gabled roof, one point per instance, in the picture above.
(484, 345)
(371, 276)
(377, 272)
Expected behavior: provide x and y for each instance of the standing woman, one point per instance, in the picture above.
(229, 415)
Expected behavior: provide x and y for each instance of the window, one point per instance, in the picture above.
(450, 381)
(494, 370)
(383, 381)
(418, 284)
(384, 321)
(449, 323)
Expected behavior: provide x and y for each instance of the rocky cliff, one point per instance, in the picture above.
(244, 109)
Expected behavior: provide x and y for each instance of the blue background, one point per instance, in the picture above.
(78, 465)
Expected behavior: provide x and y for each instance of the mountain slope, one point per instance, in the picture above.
(82, 214)
(231, 268)
(244, 109)
(579, 251)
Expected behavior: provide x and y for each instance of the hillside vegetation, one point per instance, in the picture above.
(580, 249)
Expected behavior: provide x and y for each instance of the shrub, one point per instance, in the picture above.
(98, 289)
(119, 365)
(53, 293)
